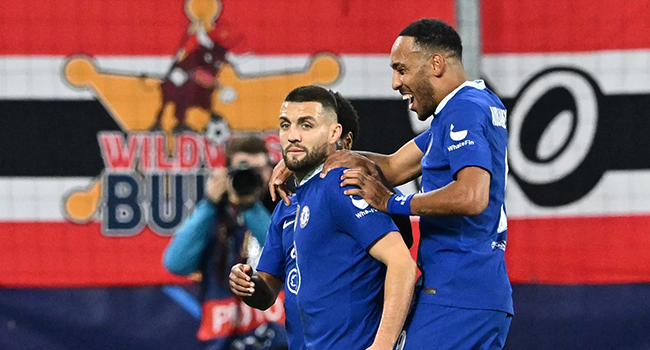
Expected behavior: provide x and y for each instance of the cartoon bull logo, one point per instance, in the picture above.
(201, 92)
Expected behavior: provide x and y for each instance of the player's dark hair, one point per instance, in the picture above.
(250, 144)
(347, 116)
(313, 93)
(435, 35)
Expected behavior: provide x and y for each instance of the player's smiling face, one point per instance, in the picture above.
(411, 76)
(306, 132)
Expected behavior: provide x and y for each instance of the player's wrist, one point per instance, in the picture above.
(381, 344)
(399, 204)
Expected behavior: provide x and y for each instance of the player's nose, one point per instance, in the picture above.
(293, 134)
(397, 80)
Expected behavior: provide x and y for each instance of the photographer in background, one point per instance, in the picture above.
(229, 226)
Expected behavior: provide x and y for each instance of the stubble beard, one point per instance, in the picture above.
(311, 160)
(423, 91)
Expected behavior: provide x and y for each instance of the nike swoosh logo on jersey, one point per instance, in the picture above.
(457, 135)
(359, 203)
(288, 223)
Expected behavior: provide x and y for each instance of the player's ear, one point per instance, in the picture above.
(438, 64)
(335, 133)
(347, 141)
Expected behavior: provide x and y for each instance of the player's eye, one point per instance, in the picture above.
(306, 126)
(284, 126)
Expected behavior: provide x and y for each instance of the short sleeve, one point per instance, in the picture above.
(465, 140)
(272, 258)
(422, 140)
(355, 216)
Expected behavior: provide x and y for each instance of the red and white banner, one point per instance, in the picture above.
(574, 80)
(574, 77)
(173, 77)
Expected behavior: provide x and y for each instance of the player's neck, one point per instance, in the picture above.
(450, 83)
(303, 177)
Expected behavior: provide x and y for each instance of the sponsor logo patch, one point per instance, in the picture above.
(459, 145)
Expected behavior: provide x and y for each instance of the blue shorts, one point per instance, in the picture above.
(440, 327)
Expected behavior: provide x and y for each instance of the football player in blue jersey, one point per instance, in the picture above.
(277, 263)
(464, 300)
(355, 271)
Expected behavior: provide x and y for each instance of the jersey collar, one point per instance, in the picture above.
(477, 84)
(311, 174)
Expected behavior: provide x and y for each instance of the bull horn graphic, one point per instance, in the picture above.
(247, 103)
(253, 103)
(132, 100)
(80, 206)
(203, 12)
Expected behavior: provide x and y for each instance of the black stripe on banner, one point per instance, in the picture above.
(52, 138)
(59, 138)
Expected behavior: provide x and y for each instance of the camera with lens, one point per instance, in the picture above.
(245, 179)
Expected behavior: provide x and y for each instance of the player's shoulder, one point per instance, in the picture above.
(471, 107)
(335, 171)
(332, 183)
(472, 99)
(282, 210)
(477, 97)
(333, 176)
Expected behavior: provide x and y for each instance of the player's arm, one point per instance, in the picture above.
(257, 289)
(400, 167)
(468, 194)
(394, 170)
(390, 249)
(398, 287)
(260, 288)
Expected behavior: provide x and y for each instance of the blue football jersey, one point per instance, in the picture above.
(340, 294)
(462, 257)
(279, 259)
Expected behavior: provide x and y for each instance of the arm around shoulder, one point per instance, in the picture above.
(400, 167)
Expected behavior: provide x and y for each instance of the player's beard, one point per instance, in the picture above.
(423, 93)
(311, 159)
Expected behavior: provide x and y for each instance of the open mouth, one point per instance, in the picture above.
(410, 98)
